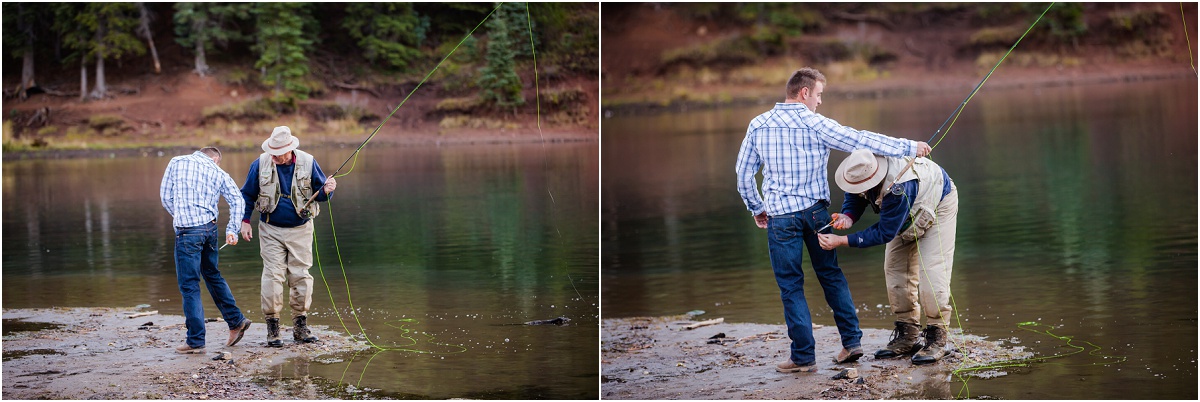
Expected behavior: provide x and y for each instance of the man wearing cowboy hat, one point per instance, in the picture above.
(279, 185)
(791, 143)
(917, 205)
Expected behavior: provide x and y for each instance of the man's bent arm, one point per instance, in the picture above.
(233, 197)
(249, 191)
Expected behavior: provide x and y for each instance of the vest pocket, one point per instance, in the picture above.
(923, 219)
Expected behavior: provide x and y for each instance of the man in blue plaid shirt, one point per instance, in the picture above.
(790, 144)
(191, 188)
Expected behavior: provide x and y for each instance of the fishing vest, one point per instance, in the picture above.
(929, 192)
(268, 185)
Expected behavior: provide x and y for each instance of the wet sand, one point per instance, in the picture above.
(100, 353)
(657, 358)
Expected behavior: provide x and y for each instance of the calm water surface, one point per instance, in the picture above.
(1076, 212)
(454, 244)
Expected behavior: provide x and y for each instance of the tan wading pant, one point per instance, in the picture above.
(924, 264)
(287, 256)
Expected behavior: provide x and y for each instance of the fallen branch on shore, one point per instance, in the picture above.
(705, 323)
(136, 315)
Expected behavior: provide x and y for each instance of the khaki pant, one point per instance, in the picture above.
(918, 272)
(287, 256)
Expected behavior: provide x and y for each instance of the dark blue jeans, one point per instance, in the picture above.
(196, 258)
(785, 236)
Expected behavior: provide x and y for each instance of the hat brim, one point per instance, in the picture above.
(863, 186)
(280, 151)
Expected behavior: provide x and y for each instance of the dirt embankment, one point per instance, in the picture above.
(658, 358)
(936, 51)
(181, 110)
(101, 353)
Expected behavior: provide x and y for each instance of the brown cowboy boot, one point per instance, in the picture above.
(935, 345)
(301, 333)
(905, 341)
(273, 333)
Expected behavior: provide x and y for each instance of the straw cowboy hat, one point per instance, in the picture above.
(281, 141)
(860, 171)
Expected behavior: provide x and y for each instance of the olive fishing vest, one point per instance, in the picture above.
(929, 192)
(268, 185)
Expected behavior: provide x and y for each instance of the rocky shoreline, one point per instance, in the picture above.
(659, 358)
(128, 353)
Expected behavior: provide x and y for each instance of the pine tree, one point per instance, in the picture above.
(101, 31)
(23, 23)
(498, 82)
(201, 26)
(387, 31)
(282, 45)
(519, 25)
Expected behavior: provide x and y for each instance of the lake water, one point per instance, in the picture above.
(1077, 213)
(455, 244)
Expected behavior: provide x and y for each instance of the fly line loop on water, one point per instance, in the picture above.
(414, 339)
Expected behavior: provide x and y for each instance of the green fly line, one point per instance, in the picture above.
(1183, 17)
(964, 366)
(968, 364)
(954, 116)
(412, 337)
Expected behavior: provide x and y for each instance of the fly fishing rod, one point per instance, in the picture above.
(354, 155)
(958, 111)
(954, 115)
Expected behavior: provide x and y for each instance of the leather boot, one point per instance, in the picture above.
(935, 345)
(905, 341)
(301, 333)
(273, 333)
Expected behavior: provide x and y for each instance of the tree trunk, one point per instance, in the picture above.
(83, 80)
(100, 91)
(27, 70)
(154, 54)
(201, 62)
(26, 28)
(145, 31)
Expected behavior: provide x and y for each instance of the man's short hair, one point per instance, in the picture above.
(211, 152)
(806, 77)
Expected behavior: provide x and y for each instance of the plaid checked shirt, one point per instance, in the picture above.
(791, 143)
(191, 187)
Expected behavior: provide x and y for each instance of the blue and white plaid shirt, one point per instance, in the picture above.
(191, 188)
(791, 144)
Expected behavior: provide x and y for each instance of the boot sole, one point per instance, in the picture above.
(191, 351)
(888, 354)
(801, 369)
(853, 357)
(923, 362)
(241, 332)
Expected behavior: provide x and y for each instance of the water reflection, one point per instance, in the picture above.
(1060, 188)
(461, 240)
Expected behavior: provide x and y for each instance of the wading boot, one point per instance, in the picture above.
(301, 333)
(905, 341)
(273, 333)
(935, 346)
